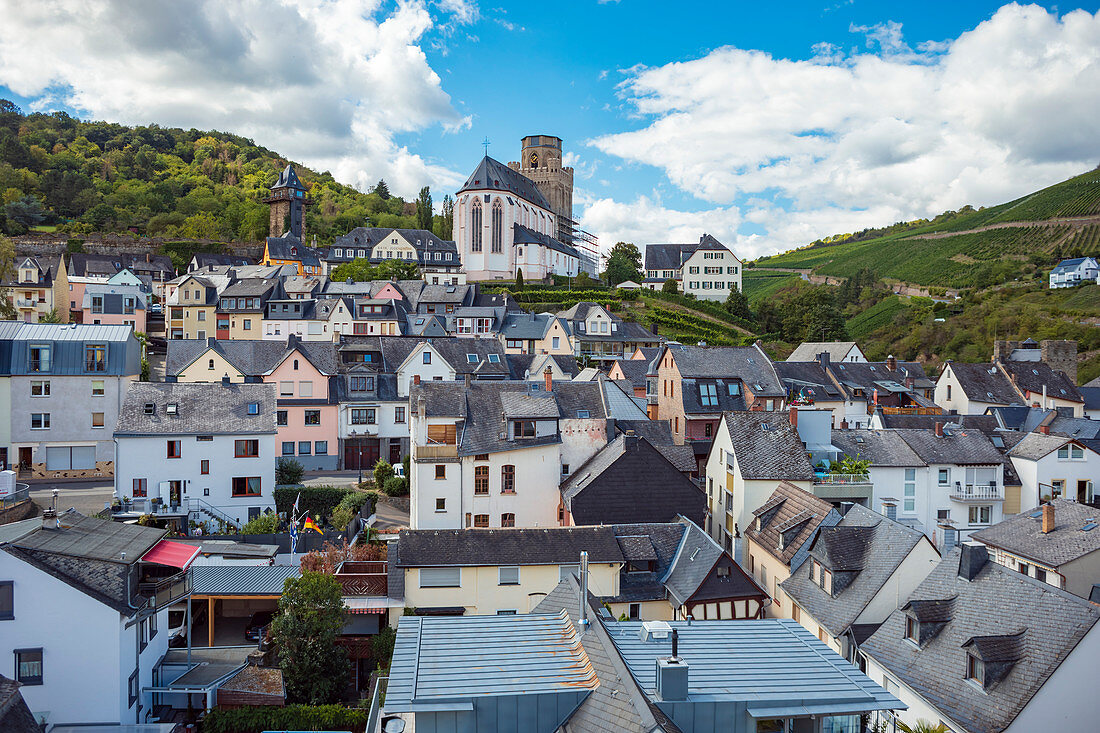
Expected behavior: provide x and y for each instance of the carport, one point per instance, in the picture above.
(244, 588)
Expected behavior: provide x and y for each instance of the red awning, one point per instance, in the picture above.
(177, 554)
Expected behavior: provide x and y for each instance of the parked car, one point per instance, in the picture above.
(257, 625)
(156, 308)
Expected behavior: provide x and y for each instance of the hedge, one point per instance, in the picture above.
(317, 500)
(292, 717)
(711, 308)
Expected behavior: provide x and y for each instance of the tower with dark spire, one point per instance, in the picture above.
(288, 202)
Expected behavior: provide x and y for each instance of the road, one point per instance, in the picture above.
(87, 497)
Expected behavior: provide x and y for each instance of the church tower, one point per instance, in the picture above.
(540, 160)
(288, 202)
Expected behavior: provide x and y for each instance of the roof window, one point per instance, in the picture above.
(471, 358)
(150, 408)
(583, 414)
(171, 408)
(494, 358)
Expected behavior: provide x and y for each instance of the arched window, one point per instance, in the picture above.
(508, 479)
(498, 226)
(210, 364)
(295, 365)
(475, 227)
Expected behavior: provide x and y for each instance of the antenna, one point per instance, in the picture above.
(485, 143)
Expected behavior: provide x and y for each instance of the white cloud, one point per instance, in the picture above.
(645, 220)
(331, 84)
(867, 138)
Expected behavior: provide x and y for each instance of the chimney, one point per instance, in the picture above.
(972, 559)
(1044, 429)
(1048, 518)
(672, 674)
(939, 429)
(890, 509)
(225, 379)
(582, 612)
(421, 407)
(891, 363)
(653, 328)
(416, 379)
(843, 424)
(467, 378)
(948, 538)
(548, 379)
(823, 359)
(49, 519)
(794, 417)
(148, 257)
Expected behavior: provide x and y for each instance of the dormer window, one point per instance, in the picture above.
(523, 428)
(912, 629)
(975, 669)
(171, 408)
(734, 389)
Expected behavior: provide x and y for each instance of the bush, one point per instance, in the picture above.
(263, 524)
(383, 471)
(288, 471)
(348, 507)
(405, 463)
(316, 500)
(381, 647)
(291, 717)
(396, 486)
(670, 286)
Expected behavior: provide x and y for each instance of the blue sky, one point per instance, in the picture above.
(767, 124)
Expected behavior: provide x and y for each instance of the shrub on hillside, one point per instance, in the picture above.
(291, 717)
(382, 471)
(396, 486)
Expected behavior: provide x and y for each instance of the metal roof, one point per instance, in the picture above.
(444, 660)
(775, 666)
(70, 332)
(241, 580)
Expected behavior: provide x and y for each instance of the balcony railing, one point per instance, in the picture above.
(436, 450)
(834, 479)
(22, 493)
(358, 578)
(357, 647)
(977, 492)
(26, 303)
(374, 717)
(164, 591)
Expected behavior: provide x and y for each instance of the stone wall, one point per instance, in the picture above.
(18, 512)
(51, 243)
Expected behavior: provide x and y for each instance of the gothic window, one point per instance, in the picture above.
(498, 226)
(475, 227)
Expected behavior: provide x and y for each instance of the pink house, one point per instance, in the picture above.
(114, 305)
(307, 409)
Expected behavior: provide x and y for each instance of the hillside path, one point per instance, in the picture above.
(1075, 221)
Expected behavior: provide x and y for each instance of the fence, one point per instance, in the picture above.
(22, 493)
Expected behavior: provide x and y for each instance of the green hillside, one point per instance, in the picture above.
(958, 257)
(60, 173)
(758, 284)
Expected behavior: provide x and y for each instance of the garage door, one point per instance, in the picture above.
(65, 458)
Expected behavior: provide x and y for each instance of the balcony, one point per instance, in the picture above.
(163, 591)
(435, 450)
(843, 486)
(977, 492)
(359, 578)
(26, 303)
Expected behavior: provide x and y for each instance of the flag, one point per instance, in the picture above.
(299, 496)
(310, 524)
(293, 537)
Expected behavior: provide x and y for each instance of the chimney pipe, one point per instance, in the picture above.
(794, 422)
(1044, 429)
(582, 617)
(548, 379)
(891, 363)
(675, 646)
(939, 430)
(843, 424)
(1048, 518)
(416, 379)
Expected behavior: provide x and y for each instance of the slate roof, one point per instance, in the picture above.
(82, 264)
(91, 555)
(1034, 446)
(962, 447)
(492, 175)
(618, 704)
(985, 423)
(663, 543)
(525, 235)
(1032, 376)
(808, 350)
(798, 375)
(206, 259)
(1022, 534)
(882, 447)
(519, 365)
(456, 352)
(772, 453)
(864, 543)
(1091, 396)
(633, 371)
(289, 247)
(288, 178)
(658, 433)
(249, 357)
(15, 716)
(673, 256)
(526, 326)
(482, 547)
(996, 602)
(795, 513)
(985, 383)
(690, 575)
(629, 480)
(203, 408)
(748, 364)
(872, 375)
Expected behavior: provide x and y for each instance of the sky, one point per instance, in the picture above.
(767, 125)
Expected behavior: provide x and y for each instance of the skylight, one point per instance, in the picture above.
(494, 358)
(471, 358)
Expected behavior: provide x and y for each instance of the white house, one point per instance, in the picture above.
(1075, 271)
(709, 270)
(84, 615)
(1055, 467)
(838, 351)
(206, 450)
(503, 223)
(979, 647)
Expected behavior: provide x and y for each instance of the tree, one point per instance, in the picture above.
(519, 280)
(738, 305)
(624, 263)
(27, 212)
(7, 273)
(383, 471)
(311, 617)
(50, 317)
(447, 210)
(288, 472)
(263, 524)
(363, 271)
(424, 209)
(670, 286)
(381, 189)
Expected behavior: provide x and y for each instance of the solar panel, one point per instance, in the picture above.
(1089, 527)
(1036, 515)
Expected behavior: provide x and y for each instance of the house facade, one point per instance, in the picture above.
(116, 305)
(709, 270)
(437, 258)
(215, 447)
(1075, 271)
(1053, 466)
(40, 287)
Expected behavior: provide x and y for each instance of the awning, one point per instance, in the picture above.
(177, 554)
(365, 605)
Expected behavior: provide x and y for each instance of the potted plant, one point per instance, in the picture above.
(116, 505)
(156, 501)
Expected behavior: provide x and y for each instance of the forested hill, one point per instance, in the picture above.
(57, 171)
(1018, 240)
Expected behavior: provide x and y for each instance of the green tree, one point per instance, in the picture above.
(382, 472)
(519, 280)
(624, 263)
(50, 317)
(263, 524)
(288, 472)
(447, 212)
(424, 209)
(361, 270)
(7, 274)
(737, 304)
(27, 212)
(311, 617)
(381, 189)
(669, 286)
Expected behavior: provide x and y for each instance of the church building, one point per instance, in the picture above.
(504, 223)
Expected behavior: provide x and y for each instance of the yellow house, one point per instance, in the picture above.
(778, 539)
(39, 288)
(191, 308)
(639, 571)
(289, 250)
